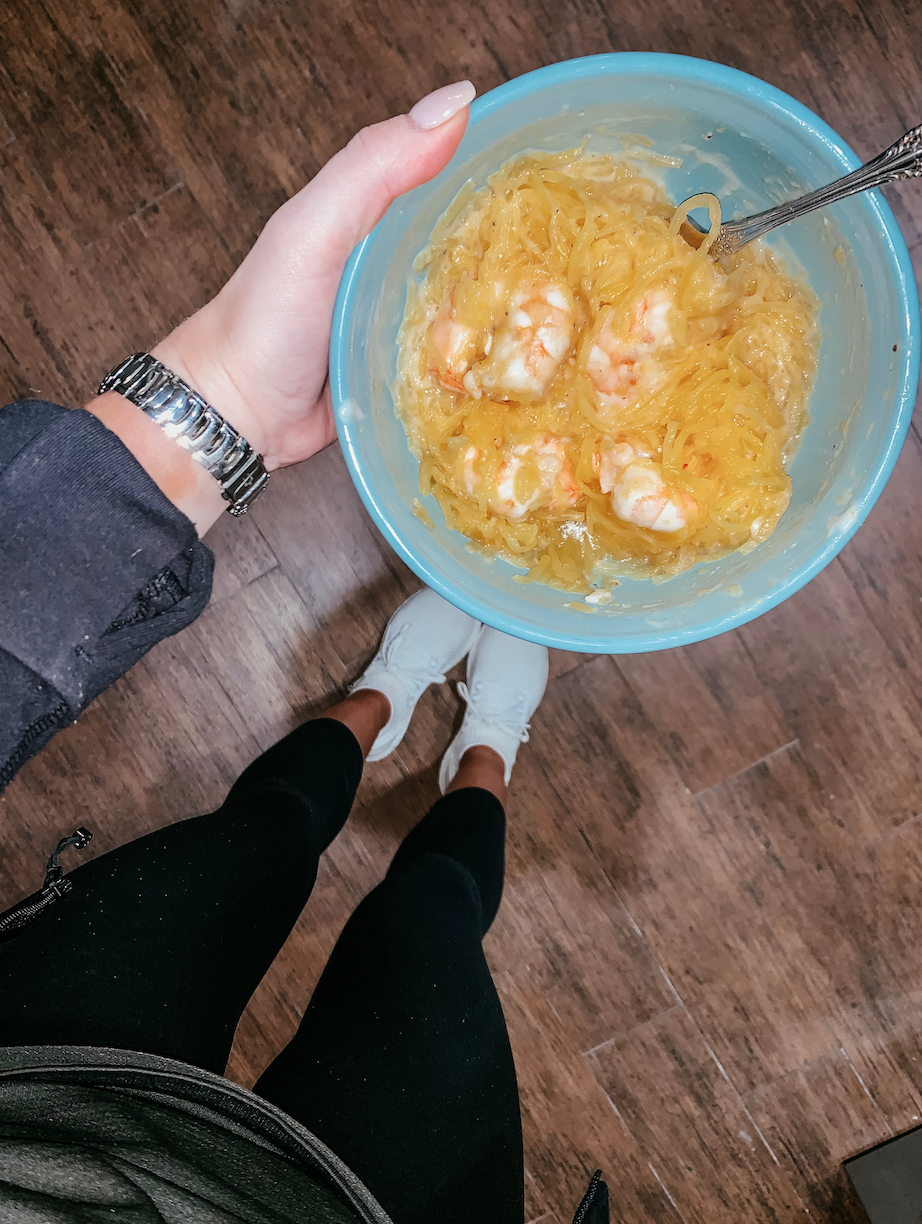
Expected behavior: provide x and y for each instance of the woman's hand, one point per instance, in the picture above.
(258, 352)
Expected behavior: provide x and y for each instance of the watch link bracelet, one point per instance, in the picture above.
(191, 422)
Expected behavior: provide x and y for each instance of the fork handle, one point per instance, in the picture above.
(901, 161)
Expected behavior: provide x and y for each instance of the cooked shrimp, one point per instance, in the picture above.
(619, 366)
(639, 494)
(454, 344)
(529, 345)
(545, 467)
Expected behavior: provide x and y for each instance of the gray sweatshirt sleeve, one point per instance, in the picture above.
(96, 567)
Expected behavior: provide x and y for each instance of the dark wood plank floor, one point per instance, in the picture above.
(710, 950)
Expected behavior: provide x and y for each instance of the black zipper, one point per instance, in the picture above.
(45, 722)
(55, 886)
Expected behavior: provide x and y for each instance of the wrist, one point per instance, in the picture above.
(186, 483)
(187, 352)
(191, 351)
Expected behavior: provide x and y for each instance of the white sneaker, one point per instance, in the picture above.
(506, 679)
(424, 638)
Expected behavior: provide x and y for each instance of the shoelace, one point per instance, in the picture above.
(387, 660)
(516, 729)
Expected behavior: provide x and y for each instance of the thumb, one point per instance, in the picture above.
(351, 193)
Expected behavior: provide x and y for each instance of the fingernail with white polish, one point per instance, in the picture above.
(438, 107)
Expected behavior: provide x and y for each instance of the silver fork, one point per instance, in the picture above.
(901, 161)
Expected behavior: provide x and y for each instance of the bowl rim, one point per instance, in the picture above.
(815, 130)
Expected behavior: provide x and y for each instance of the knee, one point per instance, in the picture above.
(431, 892)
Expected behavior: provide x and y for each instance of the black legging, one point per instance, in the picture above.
(401, 1064)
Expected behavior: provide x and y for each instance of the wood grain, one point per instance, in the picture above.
(885, 548)
(287, 658)
(70, 109)
(824, 659)
(679, 1104)
(709, 707)
(241, 555)
(563, 919)
(708, 944)
(348, 578)
(568, 1122)
(47, 287)
(813, 1118)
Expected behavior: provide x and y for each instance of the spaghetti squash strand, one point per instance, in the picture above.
(584, 389)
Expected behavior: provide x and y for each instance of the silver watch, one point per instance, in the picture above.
(191, 422)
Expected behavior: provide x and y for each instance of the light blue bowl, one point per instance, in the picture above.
(753, 146)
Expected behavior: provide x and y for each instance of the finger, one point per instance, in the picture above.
(354, 189)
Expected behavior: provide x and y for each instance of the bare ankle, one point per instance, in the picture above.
(483, 767)
(365, 713)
